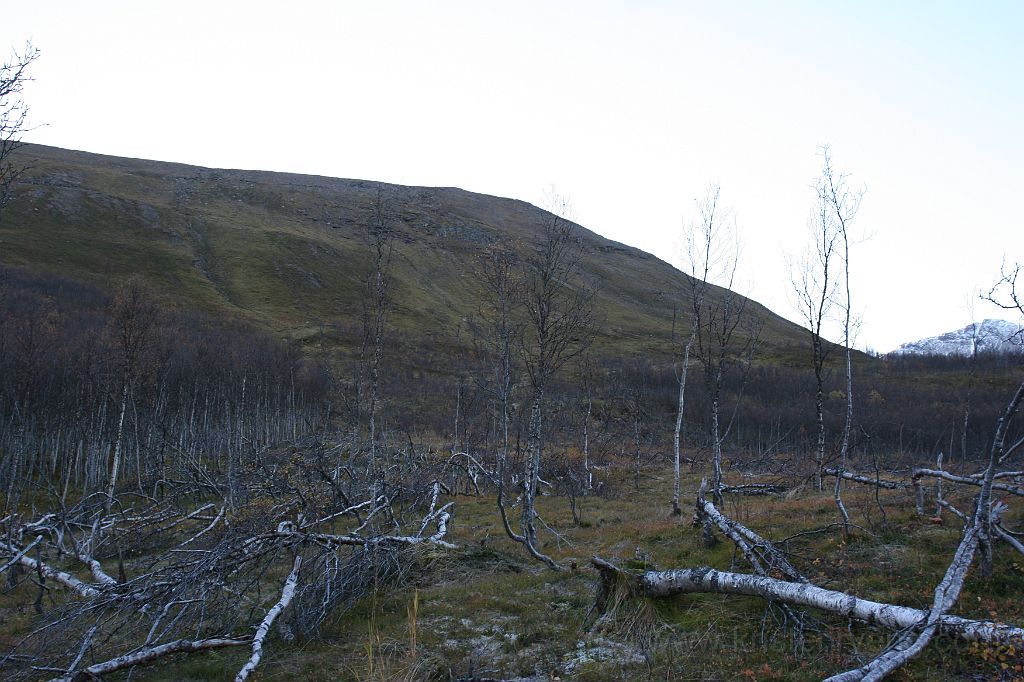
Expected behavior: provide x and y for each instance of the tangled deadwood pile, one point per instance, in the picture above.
(295, 541)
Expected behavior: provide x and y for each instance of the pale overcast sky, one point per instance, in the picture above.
(629, 108)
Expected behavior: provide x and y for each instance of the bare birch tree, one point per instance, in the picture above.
(497, 331)
(915, 627)
(712, 249)
(1006, 293)
(587, 377)
(132, 322)
(13, 117)
(206, 577)
(839, 206)
(815, 283)
(376, 304)
(560, 317)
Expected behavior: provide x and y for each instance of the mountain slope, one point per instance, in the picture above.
(998, 336)
(286, 251)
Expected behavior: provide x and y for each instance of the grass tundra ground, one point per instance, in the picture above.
(487, 611)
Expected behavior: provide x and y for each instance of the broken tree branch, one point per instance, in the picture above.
(66, 579)
(761, 553)
(866, 480)
(969, 480)
(147, 655)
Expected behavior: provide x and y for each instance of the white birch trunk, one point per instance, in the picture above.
(287, 593)
(968, 480)
(677, 434)
(866, 480)
(148, 654)
(96, 568)
(659, 584)
(66, 579)
(115, 465)
(756, 548)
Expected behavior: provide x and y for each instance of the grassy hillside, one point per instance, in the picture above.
(241, 462)
(286, 251)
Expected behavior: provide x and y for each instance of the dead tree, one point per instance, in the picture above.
(720, 343)
(497, 330)
(814, 282)
(287, 594)
(973, 480)
(916, 627)
(132, 322)
(661, 584)
(633, 400)
(839, 206)
(379, 238)
(144, 656)
(762, 554)
(587, 377)
(13, 117)
(865, 479)
(560, 318)
(978, 532)
(1006, 293)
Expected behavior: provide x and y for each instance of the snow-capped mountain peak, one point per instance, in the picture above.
(999, 336)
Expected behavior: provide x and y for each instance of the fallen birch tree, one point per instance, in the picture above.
(761, 553)
(865, 479)
(661, 584)
(148, 655)
(976, 480)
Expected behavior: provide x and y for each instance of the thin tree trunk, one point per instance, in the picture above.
(845, 445)
(636, 443)
(502, 464)
(819, 414)
(677, 434)
(115, 465)
(532, 479)
(146, 655)
(588, 478)
(716, 482)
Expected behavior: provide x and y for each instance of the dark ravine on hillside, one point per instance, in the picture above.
(285, 251)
